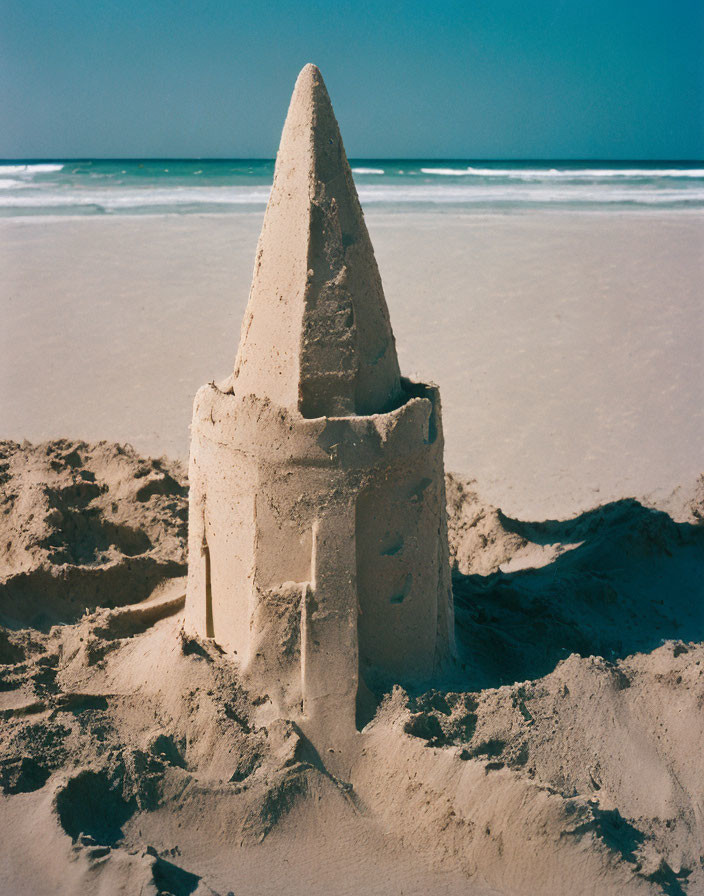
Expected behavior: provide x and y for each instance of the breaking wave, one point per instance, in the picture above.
(534, 194)
(566, 173)
(38, 168)
(114, 200)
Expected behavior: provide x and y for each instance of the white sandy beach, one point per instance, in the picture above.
(567, 345)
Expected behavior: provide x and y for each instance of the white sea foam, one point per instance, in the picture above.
(135, 199)
(529, 193)
(446, 172)
(97, 198)
(39, 168)
(368, 171)
(566, 173)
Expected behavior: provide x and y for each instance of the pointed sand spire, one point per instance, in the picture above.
(316, 335)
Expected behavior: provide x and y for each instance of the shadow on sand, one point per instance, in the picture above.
(631, 579)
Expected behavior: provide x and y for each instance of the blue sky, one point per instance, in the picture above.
(474, 79)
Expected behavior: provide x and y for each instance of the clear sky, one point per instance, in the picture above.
(473, 79)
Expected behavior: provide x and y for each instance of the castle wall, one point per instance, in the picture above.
(221, 545)
(324, 550)
(397, 574)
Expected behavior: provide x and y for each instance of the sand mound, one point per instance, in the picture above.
(85, 526)
(618, 579)
(563, 756)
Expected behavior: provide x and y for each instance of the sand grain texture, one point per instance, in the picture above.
(563, 756)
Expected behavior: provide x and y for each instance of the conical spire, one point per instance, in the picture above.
(316, 335)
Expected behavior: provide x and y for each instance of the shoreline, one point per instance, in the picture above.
(392, 210)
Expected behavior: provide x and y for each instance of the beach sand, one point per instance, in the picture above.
(567, 345)
(561, 755)
(562, 752)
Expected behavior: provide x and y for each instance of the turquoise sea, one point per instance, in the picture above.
(186, 186)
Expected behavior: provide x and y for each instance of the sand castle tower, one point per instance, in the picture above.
(317, 546)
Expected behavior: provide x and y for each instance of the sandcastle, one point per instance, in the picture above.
(317, 534)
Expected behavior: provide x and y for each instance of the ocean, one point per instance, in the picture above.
(197, 186)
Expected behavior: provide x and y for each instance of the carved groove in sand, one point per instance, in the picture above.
(317, 534)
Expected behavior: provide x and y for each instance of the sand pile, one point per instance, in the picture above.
(563, 756)
(615, 580)
(85, 526)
